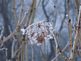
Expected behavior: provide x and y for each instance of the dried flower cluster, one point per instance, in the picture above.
(37, 33)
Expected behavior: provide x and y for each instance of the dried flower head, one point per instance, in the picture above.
(38, 32)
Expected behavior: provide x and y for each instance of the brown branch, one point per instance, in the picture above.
(76, 5)
(31, 13)
(76, 35)
(70, 36)
(21, 11)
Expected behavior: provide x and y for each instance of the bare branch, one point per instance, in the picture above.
(60, 52)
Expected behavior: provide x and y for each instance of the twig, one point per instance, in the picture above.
(76, 5)
(77, 33)
(56, 44)
(14, 10)
(31, 13)
(70, 36)
(60, 52)
(21, 11)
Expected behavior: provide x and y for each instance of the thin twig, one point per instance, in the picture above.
(56, 44)
(60, 52)
(70, 36)
(77, 33)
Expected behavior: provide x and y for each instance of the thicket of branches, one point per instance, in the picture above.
(19, 31)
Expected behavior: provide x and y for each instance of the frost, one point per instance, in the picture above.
(23, 31)
(39, 32)
(49, 36)
(39, 44)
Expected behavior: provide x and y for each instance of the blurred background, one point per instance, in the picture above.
(27, 12)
